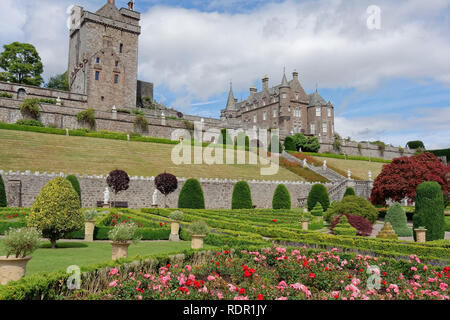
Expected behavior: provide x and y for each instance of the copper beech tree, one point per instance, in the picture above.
(400, 178)
(166, 183)
(118, 180)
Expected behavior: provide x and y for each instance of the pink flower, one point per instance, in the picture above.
(113, 271)
(219, 295)
(281, 298)
(140, 297)
(413, 268)
(443, 286)
(188, 268)
(114, 283)
(211, 278)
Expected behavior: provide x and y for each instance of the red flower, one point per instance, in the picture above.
(311, 275)
(274, 220)
(168, 266)
(260, 297)
(241, 291)
(247, 274)
(226, 252)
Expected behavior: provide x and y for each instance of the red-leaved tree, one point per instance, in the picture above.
(400, 178)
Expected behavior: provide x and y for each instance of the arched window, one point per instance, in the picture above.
(21, 94)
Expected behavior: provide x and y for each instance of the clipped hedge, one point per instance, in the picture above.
(281, 198)
(191, 195)
(75, 184)
(242, 196)
(396, 216)
(349, 192)
(318, 193)
(3, 201)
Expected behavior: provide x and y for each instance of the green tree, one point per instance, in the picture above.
(3, 202)
(397, 218)
(56, 211)
(312, 144)
(300, 140)
(242, 197)
(191, 195)
(59, 82)
(318, 193)
(430, 210)
(281, 198)
(349, 192)
(289, 144)
(21, 63)
(75, 184)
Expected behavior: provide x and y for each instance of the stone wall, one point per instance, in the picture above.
(22, 189)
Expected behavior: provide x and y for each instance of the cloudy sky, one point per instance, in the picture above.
(390, 84)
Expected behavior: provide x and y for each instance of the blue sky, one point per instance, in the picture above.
(391, 84)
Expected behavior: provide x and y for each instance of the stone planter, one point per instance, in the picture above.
(89, 226)
(304, 225)
(120, 249)
(197, 241)
(106, 205)
(421, 234)
(12, 268)
(174, 230)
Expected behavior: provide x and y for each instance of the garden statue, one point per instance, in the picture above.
(305, 163)
(370, 175)
(106, 196)
(155, 197)
(324, 164)
(349, 174)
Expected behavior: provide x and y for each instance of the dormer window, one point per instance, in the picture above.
(329, 112)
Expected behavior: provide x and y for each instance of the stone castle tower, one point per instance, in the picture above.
(103, 55)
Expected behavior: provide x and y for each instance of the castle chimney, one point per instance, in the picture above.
(111, 1)
(295, 75)
(131, 5)
(265, 82)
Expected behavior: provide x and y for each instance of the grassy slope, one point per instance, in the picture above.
(77, 253)
(53, 153)
(358, 168)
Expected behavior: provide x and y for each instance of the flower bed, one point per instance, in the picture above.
(279, 274)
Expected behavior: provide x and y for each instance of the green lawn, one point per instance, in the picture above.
(20, 150)
(86, 253)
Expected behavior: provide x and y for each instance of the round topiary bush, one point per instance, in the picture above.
(191, 195)
(3, 202)
(318, 193)
(362, 226)
(289, 144)
(56, 211)
(396, 216)
(281, 198)
(349, 192)
(317, 211)
(166, 183)
(75, 184)
(242, 197)
(353, 205)
(430, 210)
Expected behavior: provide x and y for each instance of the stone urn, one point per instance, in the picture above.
(197, 241)
(89, 226)
(174, 230)
(12, 268)
(119, 249)
(305, 224)
(421, 234)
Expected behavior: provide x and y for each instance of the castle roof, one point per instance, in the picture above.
(231, 102)
(316, 99)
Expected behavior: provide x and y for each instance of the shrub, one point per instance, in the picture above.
(242, 197)
(141, 123)
(29, 122)
(75, 184)
(49, 101)
(317, 210)
(87, 116)
(318, 193)
(400, 178)
(30, 107)
(176, 215)
(289, 144)
(3, 201)
(138, 112)
(166, 183)
(342, 227)
(90, 215)
(381, 146)
(353, 205)
(199, 227)
(56, 211)
(118, 180)
(124, 232)
(5, 95)
(387, 232)
(362, 226)
(191, 195)
(281, 198)
(396, 216)
(21, 242)
(349, 192)
(430, 210)
(416, 144)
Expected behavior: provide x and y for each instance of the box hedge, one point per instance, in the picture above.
(242, 197)
(191, 195)
(281, 198)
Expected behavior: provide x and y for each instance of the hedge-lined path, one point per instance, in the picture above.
(378, 225)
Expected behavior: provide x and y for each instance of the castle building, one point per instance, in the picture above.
(103, 57)
(286, 107)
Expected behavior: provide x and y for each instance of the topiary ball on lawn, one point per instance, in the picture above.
(56, 211)
(396, 216)
(242, 197)
(191, 195)
(318, 193)
(281, 198)
(430, 210)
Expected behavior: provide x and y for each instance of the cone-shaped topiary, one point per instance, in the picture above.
(317, 210)
(387, 232)
(318, 193)
(430, 210)
(281, 198)
(343, 227)
(56, 210)
(75, 184)
(3, 202)
(397, 218)
(242, 197)
(349, 192)
(191, 195)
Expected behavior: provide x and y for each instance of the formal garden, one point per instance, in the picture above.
(332, 250)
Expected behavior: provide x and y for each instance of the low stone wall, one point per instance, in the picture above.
(22, 189)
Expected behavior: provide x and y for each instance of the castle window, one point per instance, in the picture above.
(254, 118)
(121, 47)
(317, 111)
(264, 102)
(116, 78)
(274, 113)
(313, 128)
(97, 60)
(283, 96)
(116, 63)
(97, 75)
(329, 112)
(324, 127)
(264, 115)
(102, 98)
(296, 96)
(21, 94)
